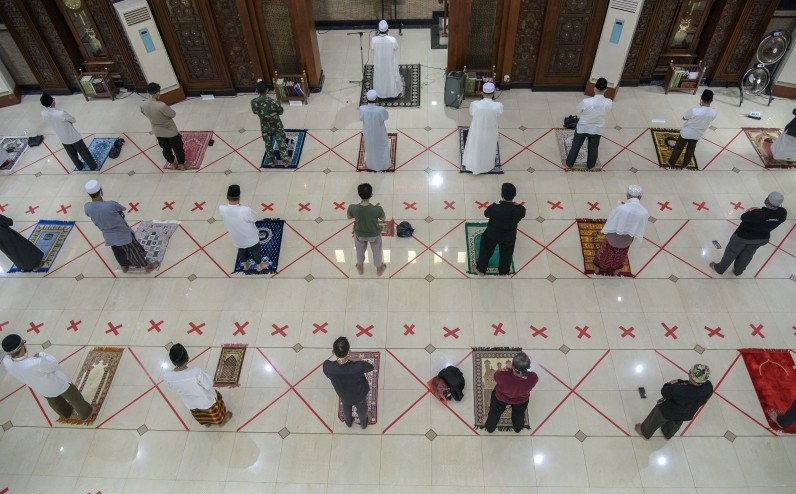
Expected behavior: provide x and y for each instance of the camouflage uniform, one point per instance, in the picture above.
(268, 110)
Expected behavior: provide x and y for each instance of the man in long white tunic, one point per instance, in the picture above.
(784, 147)
(482, 139)
(386, 77)
(377, 145)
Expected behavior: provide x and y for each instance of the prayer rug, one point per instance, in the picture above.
(463, 131)
(388, 228)
(294, 138)
(99, 149)
(664, 141)
(564, 138)
(49, 236)
(473, 232)
(591, 236)
(195, 144)
(94, 380)
(393, 137)
(373, 395)
(410, 78)
(270, 245)
(230, 363)
(154, 237)
(761, 140)
(485, 362)
(17, 146)
(773, 374)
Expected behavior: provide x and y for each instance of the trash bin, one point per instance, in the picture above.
(453, 89)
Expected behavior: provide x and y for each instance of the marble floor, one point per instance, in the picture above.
(285, 437)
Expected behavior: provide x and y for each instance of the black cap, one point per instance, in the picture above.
(178, 354)
(11, 343)
(46, 100)
(153, 88)
(233, 192)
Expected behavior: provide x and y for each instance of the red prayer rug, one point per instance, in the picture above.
(773, 374)
(591, 236)
(195, 145)
(393, 138)
(373, 396)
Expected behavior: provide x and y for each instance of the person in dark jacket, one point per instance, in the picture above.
(681, 401)
(348, 378)
(513, 387)
(501, 231)
(753, 232)
(21, 251)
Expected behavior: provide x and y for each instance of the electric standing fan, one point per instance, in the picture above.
(769, 54)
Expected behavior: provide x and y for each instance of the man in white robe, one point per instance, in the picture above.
(377, 145)
(482, 139)
(386, 77)
(784, 147)
(626, 223)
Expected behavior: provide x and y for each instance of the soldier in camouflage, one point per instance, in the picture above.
(268, 110)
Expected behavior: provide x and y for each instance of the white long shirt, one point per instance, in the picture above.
(41, 372)
(386, 77)
(194, 387)
(239, 220)
(61, 123)
(377, 145)
(591, 114)
(629, 218)
(697, 121)
(482, 139)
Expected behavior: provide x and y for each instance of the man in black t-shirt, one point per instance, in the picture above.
(680, 401)
(348, 378)
(501, 231)
(754, 232)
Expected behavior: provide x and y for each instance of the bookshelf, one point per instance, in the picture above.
(683, 77)
(97, 85)
(291, 87)
(474, 80)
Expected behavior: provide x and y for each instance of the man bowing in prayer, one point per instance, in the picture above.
(377, 145)
(625, 223)
(386, 77)
(482, 139)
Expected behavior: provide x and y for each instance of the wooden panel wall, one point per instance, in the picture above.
(749, 30)
(530, 20)
(112, 33)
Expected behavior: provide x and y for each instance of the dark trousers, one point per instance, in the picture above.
(655, 420)
(70, 400)
(690, 146)
(80, 148)
(739, 252)
(488, 245)
(362, 412)
(253, 253)
(496, 408)
(789, 417)
(172, 146)
(577, 142)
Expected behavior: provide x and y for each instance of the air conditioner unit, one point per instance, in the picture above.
(139, 24)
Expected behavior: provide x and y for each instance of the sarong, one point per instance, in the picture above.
(610, 258)
(130, 255)
(212, 416)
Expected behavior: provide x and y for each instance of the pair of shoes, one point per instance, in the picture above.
(637, 427)
(360, 269)
(381, 269)
(151, 266)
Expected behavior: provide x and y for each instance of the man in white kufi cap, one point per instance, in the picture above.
(626, 223)
(482, 138)
(386, 77)
(374, 132)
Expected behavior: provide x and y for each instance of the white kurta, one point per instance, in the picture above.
(377, 145)
(482, 139)
(386, 77)
(784, 148)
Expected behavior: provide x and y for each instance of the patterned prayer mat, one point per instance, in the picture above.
(270, 245)
(373, 395)
(485, 362)
(393, 137)
(410, 78)
(195, 144)
(564, 138)
(664, 141)
(463, 131)
(761, 140)
(49, 236)
(17, 146)
(773, 374)
(473, 232)
(388, 228)
(99, 148)
(94, 380)
(230, 363)
(154, 237)
(295, 144)
(591, 237)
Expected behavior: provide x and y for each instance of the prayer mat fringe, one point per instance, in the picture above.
(761, 350)
(496, 349)
(501, 428)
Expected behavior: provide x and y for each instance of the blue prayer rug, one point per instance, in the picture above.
(294, 138)
(463, 131)
(270, 245)
(99, 148)
(49, 236)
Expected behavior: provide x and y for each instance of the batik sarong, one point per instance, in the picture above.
(130, 255)
(214, 415)
(610, 258)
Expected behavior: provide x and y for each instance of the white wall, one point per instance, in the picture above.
(609, 62)
(7, 83)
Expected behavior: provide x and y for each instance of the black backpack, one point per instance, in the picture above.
(571, 122)
(455, 379)
(116, 150)
(404, 229)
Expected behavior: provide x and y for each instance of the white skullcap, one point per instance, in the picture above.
(488, 88)
(634, 190)
(92, 187)
(775, 199)
(383, 27)
(372, 96)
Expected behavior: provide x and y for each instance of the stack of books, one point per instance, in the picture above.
(677, 76)
(85, 83)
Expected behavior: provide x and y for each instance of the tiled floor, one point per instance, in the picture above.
(425, 298)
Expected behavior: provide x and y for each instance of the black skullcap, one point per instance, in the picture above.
(707, 95)
(46, 100)
(233, 192)
(11, 343)
(261, 87)
(178, 354)
(601, 84)
(153, 88)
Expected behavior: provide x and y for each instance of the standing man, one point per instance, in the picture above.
(374, 132)
(625, 223)
(501, 231)
(61, 123)
(697, 120)
(753, 232)
(44, 376)
(268, 111)
(161, 116)
(386, 76)
(482, 138)
(348, 379)
(681, 401)
(513, 387)
(239, 221)
(109, 218)
(195, 389)
(591, 119)
(21, 251)
(367, 229)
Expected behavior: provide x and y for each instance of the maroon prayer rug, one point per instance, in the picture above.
(373, 396)
(773, 374)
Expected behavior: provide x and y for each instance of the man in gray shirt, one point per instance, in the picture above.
(109, 218)
(161, 116)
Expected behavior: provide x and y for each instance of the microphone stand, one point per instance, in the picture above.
(361, 54)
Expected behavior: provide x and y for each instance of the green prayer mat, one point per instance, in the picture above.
(473, 232)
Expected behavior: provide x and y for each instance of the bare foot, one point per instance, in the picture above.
(713, 266)
(262, 267)
(479, 273)
(773, 415)
(181, 166)
(152, 266)
(638, 429)
(381, 269)
(125, 269)
(596, 268)
(360, 269)
(247, 265)
(227, 417)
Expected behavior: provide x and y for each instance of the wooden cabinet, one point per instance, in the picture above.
(97, 85)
